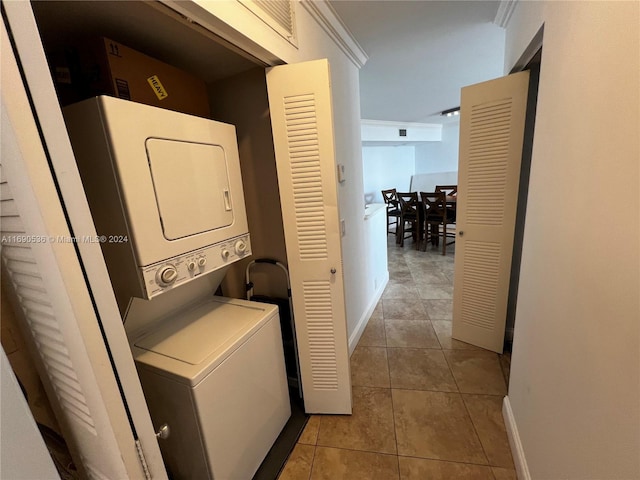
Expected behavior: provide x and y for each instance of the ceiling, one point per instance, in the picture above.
(421, 53)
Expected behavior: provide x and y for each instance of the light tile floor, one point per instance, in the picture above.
(425, 406)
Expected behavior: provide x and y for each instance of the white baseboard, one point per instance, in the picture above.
(522, 470)
(354, 338)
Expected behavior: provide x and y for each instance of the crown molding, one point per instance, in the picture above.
(505, 10)
(323, 13)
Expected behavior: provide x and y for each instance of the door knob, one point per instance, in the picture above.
(333, 270)
(461, 233)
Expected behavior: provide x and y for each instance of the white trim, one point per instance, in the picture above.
(364, 319)
(381, 132)
(237, 41)
(505, 10)
(522, 470)
(394, 124)
(323, 13)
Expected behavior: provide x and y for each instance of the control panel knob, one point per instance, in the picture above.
(191, 266)
(167, 275)
(240, 247)
(202, 262)
(225, 254)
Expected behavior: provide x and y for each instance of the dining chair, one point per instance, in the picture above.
(437, 216)
(410, 218)
(449, 191)
(393, 209)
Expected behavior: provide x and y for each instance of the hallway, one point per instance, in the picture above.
(424, 405)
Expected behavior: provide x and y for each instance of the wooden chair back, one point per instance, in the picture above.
(449, 190)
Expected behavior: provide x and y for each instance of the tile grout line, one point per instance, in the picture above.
(313, 458)
(393, 412)
(475, 429)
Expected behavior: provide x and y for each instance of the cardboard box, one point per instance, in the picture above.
(105, 67)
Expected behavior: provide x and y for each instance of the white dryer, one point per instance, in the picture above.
(215, 375)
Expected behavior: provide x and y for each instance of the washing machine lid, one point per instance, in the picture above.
(205, 332)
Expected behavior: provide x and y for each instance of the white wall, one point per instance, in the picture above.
(385, 168)
(314, 42)
(434, 157)
(574, 386)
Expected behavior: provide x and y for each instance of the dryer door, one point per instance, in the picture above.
(191, 185)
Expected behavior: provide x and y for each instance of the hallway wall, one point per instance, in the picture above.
(575, 372)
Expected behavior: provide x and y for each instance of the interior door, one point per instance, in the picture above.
(492, 119)
(103, 414)
(302, 123)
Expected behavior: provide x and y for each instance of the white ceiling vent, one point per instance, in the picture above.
(278, 14)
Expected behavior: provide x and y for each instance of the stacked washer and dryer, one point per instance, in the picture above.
(165, 192)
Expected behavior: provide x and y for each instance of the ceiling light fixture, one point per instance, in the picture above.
(452, 112)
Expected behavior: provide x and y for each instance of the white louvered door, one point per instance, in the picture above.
(302, 123)
(492, 118)
(41, 268)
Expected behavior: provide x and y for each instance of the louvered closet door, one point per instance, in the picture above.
(41, 269)
(492, 117)
(302, 123)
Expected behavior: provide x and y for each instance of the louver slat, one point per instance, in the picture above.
(488, 162)
(34, 300)
(304, 159)
(318, 310)
(480, 281)
(280, 11)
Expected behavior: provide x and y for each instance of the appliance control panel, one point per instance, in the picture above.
(170, 273)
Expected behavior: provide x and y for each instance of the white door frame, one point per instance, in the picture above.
(94, 277)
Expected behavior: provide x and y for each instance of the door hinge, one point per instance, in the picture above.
(143, 461)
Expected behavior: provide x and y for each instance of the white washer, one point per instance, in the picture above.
(215, 374)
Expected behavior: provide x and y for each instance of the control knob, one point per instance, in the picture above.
(202, 261)
(166, 275)
(191, 266)
(240, 247)
(225, 254)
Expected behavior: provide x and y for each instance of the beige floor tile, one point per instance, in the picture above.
(443, 331)
(377, 312)
(420, 369)
(445, 267)
(397, 289)
(421, 469)
(402, 277)
(439, 309)
(477, 371)
(435, 425)
(404, 309)
(399, 271)
(486, 415)
(504, 473)
(298, 466)
(410, 333)
(435, 291)
(339, 464)
(431, 276)
(373, 335)
(369, 428)
(309, 435)
(369, 367)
